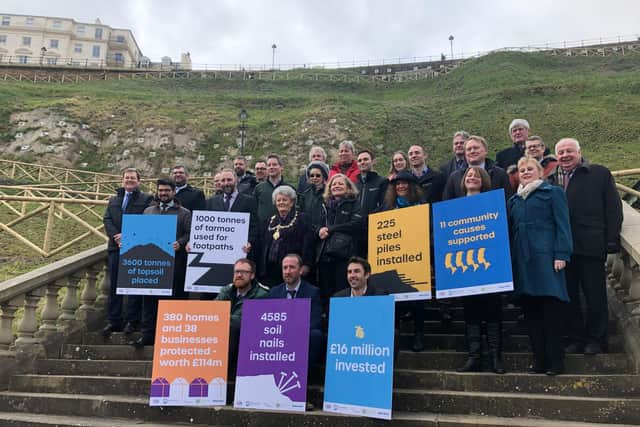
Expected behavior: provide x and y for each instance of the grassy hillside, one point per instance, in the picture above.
(592, 98)
(595, 99)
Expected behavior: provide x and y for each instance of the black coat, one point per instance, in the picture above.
(112, 219)
(310, 202)
(191, 198)
(306, 290)
(246, 183)
(432, 184)
(242, 203)
(371, 191)
(499, 179)
(343, 217)
(509, 156)
(371, 291)
(595, 210)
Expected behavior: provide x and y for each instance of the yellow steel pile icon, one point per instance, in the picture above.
(470, 261)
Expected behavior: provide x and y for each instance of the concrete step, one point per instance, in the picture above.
(18, 419)
(135, 408)
(610, 363)
(457, 327)
(621, 386)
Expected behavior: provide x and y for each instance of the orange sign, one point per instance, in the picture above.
(190, 355)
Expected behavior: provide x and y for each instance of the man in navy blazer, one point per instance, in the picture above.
(295, 287)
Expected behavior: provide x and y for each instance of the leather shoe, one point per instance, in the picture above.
(129, 328)
(592, 348)
(574, 347)
(108, 330)
(418, 345)
(141, 341)
(554, 372)
(536, 369)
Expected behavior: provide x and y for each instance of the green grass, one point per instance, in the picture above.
(594, 99)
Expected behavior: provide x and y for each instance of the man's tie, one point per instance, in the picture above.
(227, 200)
(292, 293)
(163, 207)
(125, 201)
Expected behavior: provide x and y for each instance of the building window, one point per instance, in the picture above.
(57, 23)
(118, 57)
(77, 48)
(53, 44)
(26, 41)
(120, 39)
(98, 33)
(6, 21)
(3, 39)
(96, 52)
(52, 61)
(30, 20)
(23, 59)
(80, 30)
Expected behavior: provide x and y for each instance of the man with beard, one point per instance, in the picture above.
(431, 180)
(246, 180)
(166, 204)
(189, 197)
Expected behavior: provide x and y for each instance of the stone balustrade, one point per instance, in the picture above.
(624, 283)
(42, 287)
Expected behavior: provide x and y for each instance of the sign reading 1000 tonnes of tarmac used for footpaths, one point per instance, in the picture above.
(471, 246)
(216, 243)
(399, 252)
(190, 355)
(147, 256)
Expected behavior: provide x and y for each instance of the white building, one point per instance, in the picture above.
(41, 40)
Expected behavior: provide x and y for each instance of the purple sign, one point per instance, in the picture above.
(273, 355)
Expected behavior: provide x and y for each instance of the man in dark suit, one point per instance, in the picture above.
(595, 213)
(458, 161)
(358, 272)
(295, 287)
(128, 200)
(431, 180)
(231, 200)
(188, 196)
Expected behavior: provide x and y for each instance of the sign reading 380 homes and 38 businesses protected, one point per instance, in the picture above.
(147, 256)
(216, 243)
(399, 252)
(359, 369)
(273, 355)
(190, 354)
(471, 241)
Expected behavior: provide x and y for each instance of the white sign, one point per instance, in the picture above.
(216, 243)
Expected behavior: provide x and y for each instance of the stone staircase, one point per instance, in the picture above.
(97, 382)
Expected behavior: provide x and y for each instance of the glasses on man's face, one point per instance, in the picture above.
(534, 146)
(313, 175)
(242, 272)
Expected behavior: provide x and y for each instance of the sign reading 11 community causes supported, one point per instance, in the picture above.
(471, 242)
(216, 243)
(359, 369)
(147, 256)
(273, 355)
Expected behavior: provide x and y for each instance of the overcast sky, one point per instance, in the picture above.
(326, 31)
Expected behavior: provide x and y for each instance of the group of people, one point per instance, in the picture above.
(559, 237)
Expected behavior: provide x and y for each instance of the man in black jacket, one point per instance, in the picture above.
(519, 132)
(128, 200)
(458, 161)
(188, 196)
(476, 149)
(231, 200)
(431, 180)
(595, 212)
(246, 180)
(371, 190)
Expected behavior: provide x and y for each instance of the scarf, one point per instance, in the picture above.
(525, 190)
(402, 202)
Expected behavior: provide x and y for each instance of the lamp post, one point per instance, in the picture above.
(273, 56)
(43, 51)
(451, 43)
(243, 116)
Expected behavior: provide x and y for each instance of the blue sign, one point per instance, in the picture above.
(146, 255)
(359, 369)
(471, 245)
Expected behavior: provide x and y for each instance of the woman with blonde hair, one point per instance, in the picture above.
(337, 230)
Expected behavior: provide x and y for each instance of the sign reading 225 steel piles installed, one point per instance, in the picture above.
(217, 239)
(471, 241)
(399, 252)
